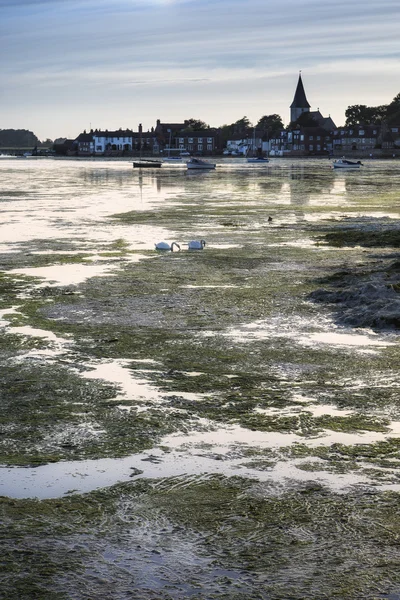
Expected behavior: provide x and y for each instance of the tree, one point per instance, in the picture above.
(17, 138)
(393, 110)
(47, 143)
(304, 120)
(360, 114)
(271, 124)
(242, 125)
(195, 125)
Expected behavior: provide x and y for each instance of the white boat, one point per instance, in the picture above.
(197, 163)
(343, 163)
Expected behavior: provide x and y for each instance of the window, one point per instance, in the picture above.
(200, 140)
(302, 137)
(374, 132)
(181, 140)
(311, 147)
(318, 137)
(209, 146)
(311, 137)
(190, 147)
(190, 140)
(318, 148)
(200, 147)
(361, 132)
(395, 130)
(209, 140)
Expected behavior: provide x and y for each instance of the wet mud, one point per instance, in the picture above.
(222, 423)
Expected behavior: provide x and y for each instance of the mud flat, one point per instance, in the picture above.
(211, 424)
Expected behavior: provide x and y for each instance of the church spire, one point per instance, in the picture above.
(300, 103)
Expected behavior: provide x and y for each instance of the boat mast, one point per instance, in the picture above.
(169, 143)
(140, 140)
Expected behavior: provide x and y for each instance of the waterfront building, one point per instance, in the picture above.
(302, 141)
(241, 144)
(361, 139)
(84, 144)
(178, 137)
(112, 142)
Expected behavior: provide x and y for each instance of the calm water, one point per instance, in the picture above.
(65, 206)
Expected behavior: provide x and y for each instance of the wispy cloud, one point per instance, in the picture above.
(186, 49)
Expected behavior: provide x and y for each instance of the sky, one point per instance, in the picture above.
(70, 65)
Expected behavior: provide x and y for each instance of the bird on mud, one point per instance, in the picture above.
(196, 245)
(166, 246)
(270, 219)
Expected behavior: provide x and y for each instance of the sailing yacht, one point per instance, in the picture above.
(257, 157)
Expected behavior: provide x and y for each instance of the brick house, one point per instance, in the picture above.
(302, 141)
(204, 142)
(84, 144)
(357, 138)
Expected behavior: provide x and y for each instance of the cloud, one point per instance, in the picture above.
(236, 52)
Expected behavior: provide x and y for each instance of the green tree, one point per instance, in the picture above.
(195, 125)
(393, 110)
(304, 120)
(18, 138)
(242, 125)
(360, 114)
(271, 124)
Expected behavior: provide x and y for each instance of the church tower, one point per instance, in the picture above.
(299, 104)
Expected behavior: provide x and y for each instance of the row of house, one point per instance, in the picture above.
(316, 141)
(165, 138)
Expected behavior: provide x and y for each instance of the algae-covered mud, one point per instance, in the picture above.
(218, 423)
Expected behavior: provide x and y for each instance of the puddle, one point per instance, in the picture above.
(298, 330)
(193, 454)
(65, 274)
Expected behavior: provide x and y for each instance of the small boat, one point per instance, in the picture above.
(258, 160)
(149, 164)
(343, 163)
(172, 159)
(197, 163)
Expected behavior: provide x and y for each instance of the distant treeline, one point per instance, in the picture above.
(19, 138)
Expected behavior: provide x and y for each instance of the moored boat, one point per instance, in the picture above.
(197, 163)
(172, 159)
(258, 160)
(343, 163)
(149, 164)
